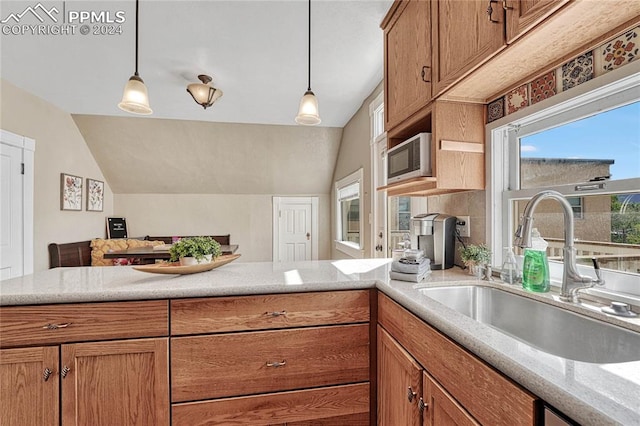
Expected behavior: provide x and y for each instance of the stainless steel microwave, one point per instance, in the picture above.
(412, 158)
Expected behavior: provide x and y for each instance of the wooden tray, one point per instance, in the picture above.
(175, 268)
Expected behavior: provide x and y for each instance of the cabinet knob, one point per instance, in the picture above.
(422, 405)
(490, 12)
(65, 370)
(423, 74)
(46, 374)
(277, 364)
(411, 394)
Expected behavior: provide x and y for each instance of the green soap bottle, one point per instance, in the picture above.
(535, 269)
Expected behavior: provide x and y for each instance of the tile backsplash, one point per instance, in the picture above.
(613, 54)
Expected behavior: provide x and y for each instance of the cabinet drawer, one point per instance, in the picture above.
(214, 366)
(335, 405)
(53, 324)
(221, 314)
(463, 375)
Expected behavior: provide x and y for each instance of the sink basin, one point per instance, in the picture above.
(540, 325)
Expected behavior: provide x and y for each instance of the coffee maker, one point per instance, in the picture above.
(435, 233)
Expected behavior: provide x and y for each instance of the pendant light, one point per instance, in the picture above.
(203, 93)
(135, 98)
(308, 112)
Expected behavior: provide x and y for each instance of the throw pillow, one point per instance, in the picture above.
(100, 246)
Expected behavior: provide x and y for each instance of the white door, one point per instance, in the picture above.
(295, 228)
(16, 204)
(11, 242)
(379, 220)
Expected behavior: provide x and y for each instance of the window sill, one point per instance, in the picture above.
(350, 249)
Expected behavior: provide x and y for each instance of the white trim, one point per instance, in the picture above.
(616, 88)
(276, 203)
(346, 247)
(28, 147)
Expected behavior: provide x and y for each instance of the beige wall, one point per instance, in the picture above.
(248, 218)
(59, 148)
(355, 152)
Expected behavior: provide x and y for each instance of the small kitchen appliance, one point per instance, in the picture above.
(435, 233)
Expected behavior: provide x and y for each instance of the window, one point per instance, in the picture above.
(587, 147)
(349, 216)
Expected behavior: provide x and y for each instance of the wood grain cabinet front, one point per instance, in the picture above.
(327, 406)
(263, 312)
(234, 364)
(81, 322)
(464, 380)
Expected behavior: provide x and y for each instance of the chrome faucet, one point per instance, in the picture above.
(572, 281)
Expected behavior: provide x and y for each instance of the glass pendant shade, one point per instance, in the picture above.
(308, 112)
(135, 98)
(203, 93)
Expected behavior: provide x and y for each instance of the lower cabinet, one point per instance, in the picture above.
(29, 386)
(294, 359)
(457, 388)
(407, 395)
(101, 383)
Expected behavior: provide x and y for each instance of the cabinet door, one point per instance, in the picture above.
(399, 384)
(463, 37)
(29, 386)
(440, 408)
(122, 382)
(407, 62)
(522, 15)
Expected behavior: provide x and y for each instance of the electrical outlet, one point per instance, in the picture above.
(463, 225)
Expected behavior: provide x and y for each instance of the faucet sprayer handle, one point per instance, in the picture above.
(596, 267)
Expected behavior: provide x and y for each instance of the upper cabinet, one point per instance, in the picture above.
(524, 14)
(407, 59)
(465, 34)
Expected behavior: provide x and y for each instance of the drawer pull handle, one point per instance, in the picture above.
(56, 326)
(423, 74)
(422, 405)
(65, 370)
(277, 364)
(46, 374)
(411, 394)
(274, 314)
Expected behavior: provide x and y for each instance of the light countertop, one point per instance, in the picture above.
(591, 394)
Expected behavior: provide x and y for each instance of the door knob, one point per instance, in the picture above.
(308, 236)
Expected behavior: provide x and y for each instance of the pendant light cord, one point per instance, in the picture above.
(309, 80)
(136, 73)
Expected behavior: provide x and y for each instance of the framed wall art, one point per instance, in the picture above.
(70, 192)
(95, 195)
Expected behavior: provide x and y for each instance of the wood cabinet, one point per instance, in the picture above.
(522, 15)
(464, 35)
(29, 386)
(399, 384)
(407, 395)
(99, 383)
(461, 387)
(272, 359)
(407, 60)
(457, 149)
(440, 408)
(116, 383)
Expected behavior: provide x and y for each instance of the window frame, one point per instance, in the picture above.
(347, 247)
(617, 88)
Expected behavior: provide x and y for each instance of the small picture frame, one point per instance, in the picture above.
(95, 195)
(70, 192)
(116, 227)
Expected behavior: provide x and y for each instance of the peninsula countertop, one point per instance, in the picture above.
(592, 394)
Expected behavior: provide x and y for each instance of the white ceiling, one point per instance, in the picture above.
(256, 52)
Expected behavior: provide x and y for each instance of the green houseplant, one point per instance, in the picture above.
(474, 256)
(199, 248)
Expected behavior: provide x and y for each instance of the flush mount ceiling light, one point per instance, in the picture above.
(308, 112)
(135, 98)
(203, 93)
